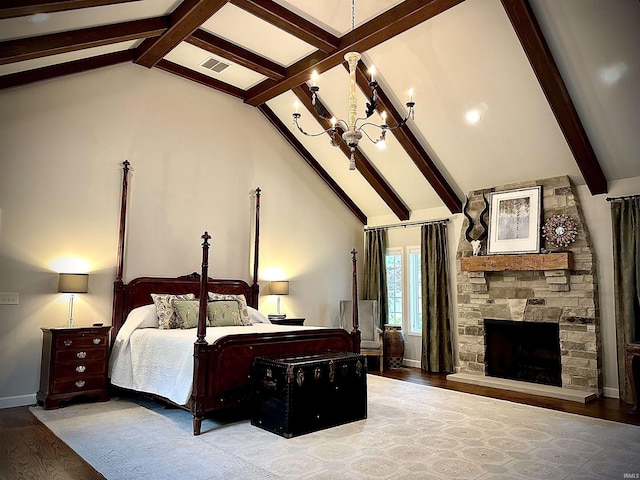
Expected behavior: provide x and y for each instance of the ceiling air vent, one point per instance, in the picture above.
(214, 65)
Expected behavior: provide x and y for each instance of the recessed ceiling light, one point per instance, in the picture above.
(39, 17)
(613, 73)
(472, 116)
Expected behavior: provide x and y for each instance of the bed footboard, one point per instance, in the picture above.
(226, 381)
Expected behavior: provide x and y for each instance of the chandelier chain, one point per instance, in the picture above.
(353, 15)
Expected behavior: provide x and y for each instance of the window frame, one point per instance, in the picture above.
(408, 306)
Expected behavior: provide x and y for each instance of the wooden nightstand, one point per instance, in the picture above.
(74, 363)
(287, 321)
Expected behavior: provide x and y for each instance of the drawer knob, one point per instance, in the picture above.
(68, 343)
(96, 341)
(80, 383)
(80, 368)
(81, 354)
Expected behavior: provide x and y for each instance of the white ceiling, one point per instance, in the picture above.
(466, 58)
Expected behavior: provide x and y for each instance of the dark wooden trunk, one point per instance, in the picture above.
(298, 395)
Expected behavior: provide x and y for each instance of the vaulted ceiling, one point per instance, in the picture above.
(505, 90)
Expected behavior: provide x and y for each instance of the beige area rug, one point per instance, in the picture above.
(412, 432)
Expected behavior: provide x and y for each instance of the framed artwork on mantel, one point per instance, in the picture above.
(514, 221)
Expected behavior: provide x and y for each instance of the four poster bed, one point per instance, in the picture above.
(214, 371)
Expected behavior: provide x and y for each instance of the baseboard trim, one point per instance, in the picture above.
(17, 401)
(610, 392)
(411, 363)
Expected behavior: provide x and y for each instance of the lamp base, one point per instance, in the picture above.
(277, 316)
(70, 323)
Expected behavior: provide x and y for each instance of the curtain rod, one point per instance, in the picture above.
(408, 224)
(624, 197)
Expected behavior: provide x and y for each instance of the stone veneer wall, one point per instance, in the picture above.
(567, 298)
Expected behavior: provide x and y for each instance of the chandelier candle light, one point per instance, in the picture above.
(353, 128)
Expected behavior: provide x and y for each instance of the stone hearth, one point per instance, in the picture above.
(567, 297)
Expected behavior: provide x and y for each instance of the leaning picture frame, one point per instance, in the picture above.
(514, 221)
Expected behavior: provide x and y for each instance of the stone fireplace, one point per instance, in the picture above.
(558, 287)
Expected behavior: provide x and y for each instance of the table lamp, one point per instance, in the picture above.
(279, 288)
(72, 283)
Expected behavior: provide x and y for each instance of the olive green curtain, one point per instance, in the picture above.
(625, 220)
(375, 271)
(437, 342)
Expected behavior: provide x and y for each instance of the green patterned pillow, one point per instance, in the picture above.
(223, 313)
(165, 310)
(242, 304)
(187, 313)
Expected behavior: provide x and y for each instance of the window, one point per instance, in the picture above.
(393, 262)
(404, 288)
(415, 291)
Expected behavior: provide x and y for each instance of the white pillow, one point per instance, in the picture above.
(140, 317)
(256, 317)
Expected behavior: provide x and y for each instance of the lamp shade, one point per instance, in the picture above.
(280, 287)
(73, 282)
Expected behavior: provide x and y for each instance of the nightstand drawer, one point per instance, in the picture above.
(86, 354)
(79, 369)
(80, 384)
(77, 341)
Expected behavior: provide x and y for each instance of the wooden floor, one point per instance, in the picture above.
(29, 450)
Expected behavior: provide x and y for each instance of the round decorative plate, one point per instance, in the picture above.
(560, 230)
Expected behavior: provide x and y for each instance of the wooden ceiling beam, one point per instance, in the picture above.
(546, 70)
(387, 25)
(230, 51)
(63, 69)
(54, 43)
(184, 20)
(21, 8)
(363, 165)
(410, 143)
(312, 162)
(285, 20)
(200, 78)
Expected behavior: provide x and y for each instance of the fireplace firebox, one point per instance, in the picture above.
(525, 351)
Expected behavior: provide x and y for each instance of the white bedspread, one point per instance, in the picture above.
(160, 362)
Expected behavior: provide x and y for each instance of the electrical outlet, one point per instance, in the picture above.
(9, 298)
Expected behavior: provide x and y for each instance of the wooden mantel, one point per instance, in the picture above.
(523, 262)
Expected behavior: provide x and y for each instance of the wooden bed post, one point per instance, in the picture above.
(355, 333)
(118, 284)
(255, 288)
(199, 347)
(204, 278)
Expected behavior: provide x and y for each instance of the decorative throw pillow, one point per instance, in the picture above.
(223, 313)
(242, 304)
(187, 313)
(165, 310)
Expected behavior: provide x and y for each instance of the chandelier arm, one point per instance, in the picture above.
(403, 121)
(369, 136)
(343, 124)
(312, 134)
(386, 127)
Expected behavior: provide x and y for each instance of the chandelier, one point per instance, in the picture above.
(354, 127)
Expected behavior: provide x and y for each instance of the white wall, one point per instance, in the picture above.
(196, 155)
(597, 215)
